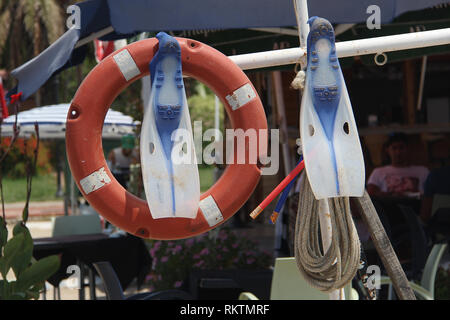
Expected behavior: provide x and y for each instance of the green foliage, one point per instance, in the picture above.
(202, 108)
(17, 163)
(206, 177)
(217, 250)
(17, 254)
(44, 188)
(202, 105)
(28, 27)
(129, 101)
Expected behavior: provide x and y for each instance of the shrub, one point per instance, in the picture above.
(216, 250)
(16, 254)
(14, 164)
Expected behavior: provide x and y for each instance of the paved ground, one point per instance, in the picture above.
(35, 209)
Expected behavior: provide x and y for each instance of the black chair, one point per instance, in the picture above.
(420, 248)
(404, 230)
(439, 226)
(229, 284)
(114, 289)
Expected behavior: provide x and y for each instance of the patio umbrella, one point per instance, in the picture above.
(52, 123)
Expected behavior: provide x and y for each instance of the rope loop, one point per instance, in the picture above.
(333, 269)
(379, 62)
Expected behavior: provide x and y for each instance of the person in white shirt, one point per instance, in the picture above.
(399, 178)
(121, 158)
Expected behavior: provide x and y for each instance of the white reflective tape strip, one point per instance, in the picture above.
(241, 96)
(126, 64)
(95, 181)
(211, 211)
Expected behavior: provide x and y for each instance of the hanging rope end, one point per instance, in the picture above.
(299, 81)
(274, 217)
(256, 212)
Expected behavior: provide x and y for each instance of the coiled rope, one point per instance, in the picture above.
(336, 267)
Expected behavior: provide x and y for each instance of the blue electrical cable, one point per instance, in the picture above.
(283, 198)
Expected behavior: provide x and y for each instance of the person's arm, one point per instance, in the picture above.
(112, 159)
(373, 183)
(374, 190)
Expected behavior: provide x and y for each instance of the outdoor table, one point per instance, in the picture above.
(127, 254)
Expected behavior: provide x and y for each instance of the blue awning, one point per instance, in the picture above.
(130, 17)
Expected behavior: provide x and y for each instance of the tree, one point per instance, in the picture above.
(39, 22)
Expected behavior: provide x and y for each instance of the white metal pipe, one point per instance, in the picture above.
(285, 31)
(94, 36)
(347, 48)
(216, 118)
(326, 235)
(268, 58)
(302, 16)
(393, 43)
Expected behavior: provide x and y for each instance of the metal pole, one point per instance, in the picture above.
(326, 232)
(217, 136)
(302, 15)
(422, 81)
(360, 47)
(216, 117)
(72, 196)
(94, 36)
(281, 113)
(268, 58)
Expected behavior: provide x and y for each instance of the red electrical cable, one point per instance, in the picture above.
(278, 189)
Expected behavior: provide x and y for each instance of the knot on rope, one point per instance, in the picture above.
(299, 81)
(325, 269)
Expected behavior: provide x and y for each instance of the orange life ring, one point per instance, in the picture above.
(84, 139)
